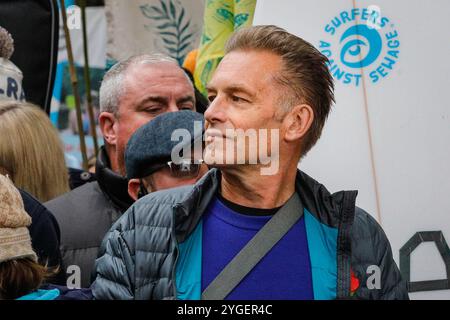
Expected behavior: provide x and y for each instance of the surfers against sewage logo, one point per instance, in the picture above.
(360, 39)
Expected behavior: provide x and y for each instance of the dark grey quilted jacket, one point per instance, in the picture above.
(138, 256)
(87, 213)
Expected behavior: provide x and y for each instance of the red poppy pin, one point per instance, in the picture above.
(354, 283)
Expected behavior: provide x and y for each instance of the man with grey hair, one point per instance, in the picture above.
(132, 93)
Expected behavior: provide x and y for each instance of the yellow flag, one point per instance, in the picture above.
(221, 19)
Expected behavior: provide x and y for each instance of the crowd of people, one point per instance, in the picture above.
(148, 227)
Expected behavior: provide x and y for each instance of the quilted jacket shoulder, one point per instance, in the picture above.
(372, 254)
(139, 250)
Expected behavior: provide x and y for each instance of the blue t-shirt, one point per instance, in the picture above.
(284, 273)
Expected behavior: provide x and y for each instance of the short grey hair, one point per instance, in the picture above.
(112, 87)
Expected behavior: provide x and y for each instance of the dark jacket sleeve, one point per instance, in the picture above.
(114, 269)
(373, 245)
(393, 287)
(45, 236)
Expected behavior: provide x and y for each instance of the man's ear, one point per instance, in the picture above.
(297, 122)
(133, 188)
(107, 122)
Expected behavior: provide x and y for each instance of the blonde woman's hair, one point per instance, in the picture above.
(31, 151)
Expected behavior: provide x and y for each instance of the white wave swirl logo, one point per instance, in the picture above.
(351, 50)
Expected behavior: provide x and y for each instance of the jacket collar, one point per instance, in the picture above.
(189, 211)
(332, 210)
(41, 295)
(326, 207)
(112, 184)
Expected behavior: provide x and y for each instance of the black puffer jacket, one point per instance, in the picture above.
(139, 255)
(87, 213)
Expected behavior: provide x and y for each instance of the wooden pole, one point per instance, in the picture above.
(87, 78)
(74, 81)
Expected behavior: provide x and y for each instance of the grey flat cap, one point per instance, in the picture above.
(152, 143)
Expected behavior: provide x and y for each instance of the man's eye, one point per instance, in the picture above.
(211, 98)
(237, 99)
(153, 110)
(187, 107)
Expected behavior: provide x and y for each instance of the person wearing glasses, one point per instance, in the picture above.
(148, 160)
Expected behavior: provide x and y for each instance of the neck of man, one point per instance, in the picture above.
(246, 186)
(113, 162)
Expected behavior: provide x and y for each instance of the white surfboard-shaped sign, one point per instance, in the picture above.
(388, 135)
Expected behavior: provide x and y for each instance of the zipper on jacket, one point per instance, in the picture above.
(344, 250)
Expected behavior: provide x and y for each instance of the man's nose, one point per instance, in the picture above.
(216, 111)
(173, 107)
